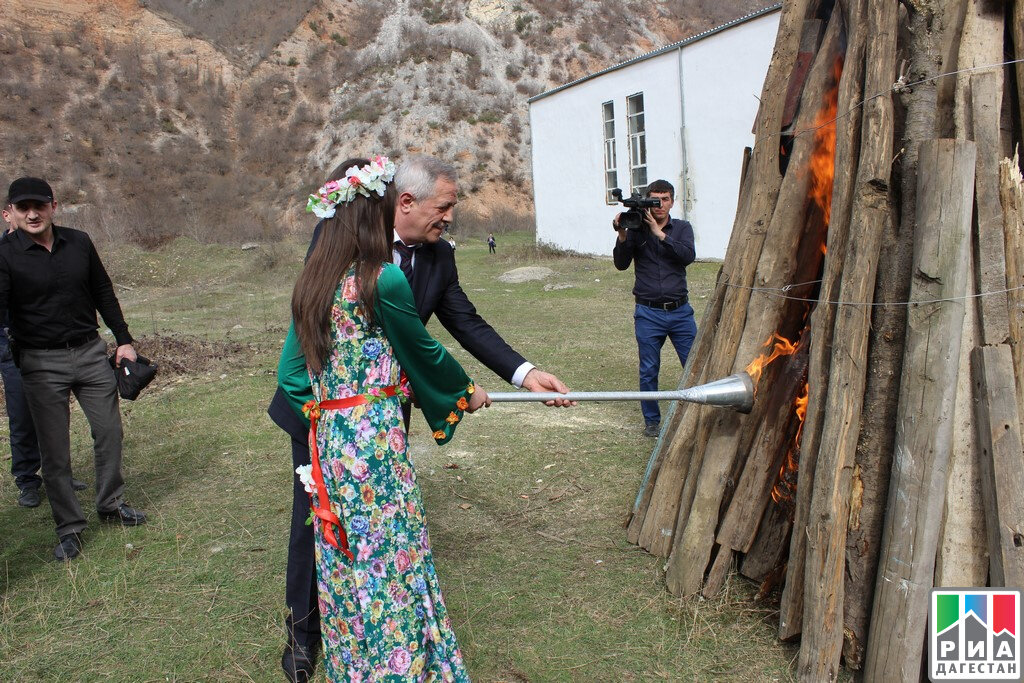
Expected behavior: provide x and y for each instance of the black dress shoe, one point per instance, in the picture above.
(29, 498)
(298, 663)
(69, 547)
(123, 515)
(78, 484)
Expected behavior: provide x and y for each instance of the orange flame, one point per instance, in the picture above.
(780, 346)
(822, 163)
(785, 488)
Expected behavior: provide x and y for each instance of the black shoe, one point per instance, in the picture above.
(124, 515)
(652, 429)
(298, 663)
(29, 498)
(78, 484)
(69, 547)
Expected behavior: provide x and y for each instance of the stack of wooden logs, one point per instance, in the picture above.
(890, 291)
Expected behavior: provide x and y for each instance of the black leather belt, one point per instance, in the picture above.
(72, 343)
(664, 305)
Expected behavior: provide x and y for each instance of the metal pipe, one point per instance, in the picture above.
(735, 391)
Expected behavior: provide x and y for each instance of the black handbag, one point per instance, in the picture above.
(133, 376)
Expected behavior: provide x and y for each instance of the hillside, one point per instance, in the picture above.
(213, 119)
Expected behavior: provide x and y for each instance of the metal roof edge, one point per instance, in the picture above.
(662, 50)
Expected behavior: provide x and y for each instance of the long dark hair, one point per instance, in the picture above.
(361, 231)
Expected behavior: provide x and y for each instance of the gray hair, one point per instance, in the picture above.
(418, 175)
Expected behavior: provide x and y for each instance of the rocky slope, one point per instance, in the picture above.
(162, 117)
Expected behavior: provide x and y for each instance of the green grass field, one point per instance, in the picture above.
(526, 505)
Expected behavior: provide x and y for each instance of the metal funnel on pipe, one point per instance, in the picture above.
(735, 391)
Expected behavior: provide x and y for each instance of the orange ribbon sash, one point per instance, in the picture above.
(312, 409)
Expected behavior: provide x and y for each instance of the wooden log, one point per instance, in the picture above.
(1011, 197)
(873, 456)
(962, 558)
(980, 44)
(719, 572)
(776, 267)
(657, 523)
(1002, 462)
(822, 318)
(986, 100)
(925, 416)
(1017, 34)
(830, 503)
(768, 551)
(774, 437)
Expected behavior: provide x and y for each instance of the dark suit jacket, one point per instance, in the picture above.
(436, 290)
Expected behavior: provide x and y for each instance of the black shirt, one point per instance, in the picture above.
(660, 264)
(52, 296)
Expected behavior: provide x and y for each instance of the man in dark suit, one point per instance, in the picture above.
(427, 190)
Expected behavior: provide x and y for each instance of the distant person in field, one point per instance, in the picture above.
(491, 244)
(661, 249)
(52, 283)
(426, 194)
(25, 460)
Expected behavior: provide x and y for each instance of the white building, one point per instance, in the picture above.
(683, 113)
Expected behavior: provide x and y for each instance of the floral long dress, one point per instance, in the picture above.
(382, 615)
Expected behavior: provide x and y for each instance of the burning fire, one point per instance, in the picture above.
(785, 487)
(822, 169)
(779, 346)
(822, 163)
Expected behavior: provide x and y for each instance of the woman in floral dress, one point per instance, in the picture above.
(356, 326)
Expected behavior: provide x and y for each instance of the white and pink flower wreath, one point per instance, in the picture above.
(364, 180)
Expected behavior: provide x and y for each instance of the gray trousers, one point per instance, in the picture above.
(49, 377)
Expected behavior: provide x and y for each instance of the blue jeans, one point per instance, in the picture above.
(24, 447)
(652, 326)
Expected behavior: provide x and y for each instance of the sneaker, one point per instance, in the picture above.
(652, 429)
(78, 484)
(29, 498)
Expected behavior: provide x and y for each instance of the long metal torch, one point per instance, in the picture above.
(735, 391)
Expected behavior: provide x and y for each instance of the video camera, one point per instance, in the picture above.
(634, 218)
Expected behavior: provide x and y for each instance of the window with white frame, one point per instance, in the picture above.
(611, 174)
(637, 142)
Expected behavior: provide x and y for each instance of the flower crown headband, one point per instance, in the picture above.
(364, 180)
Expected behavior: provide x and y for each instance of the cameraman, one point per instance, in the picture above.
(661, 247)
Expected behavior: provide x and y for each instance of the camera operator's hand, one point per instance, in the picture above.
(619, 229)
(652, 223)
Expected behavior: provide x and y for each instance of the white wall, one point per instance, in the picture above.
(568, 150)
(722, 75)
(722, 79)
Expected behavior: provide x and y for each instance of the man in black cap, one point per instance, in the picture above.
(52, 283)
(25, 461)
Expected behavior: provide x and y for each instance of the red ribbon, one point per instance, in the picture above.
(329, 519)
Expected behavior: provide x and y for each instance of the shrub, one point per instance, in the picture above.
(368, 110)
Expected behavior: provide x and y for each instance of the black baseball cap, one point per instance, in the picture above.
(29, 188)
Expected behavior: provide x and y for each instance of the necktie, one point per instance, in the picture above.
(406, 261)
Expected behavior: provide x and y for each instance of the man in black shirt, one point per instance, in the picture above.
(51, 285)
(25, 461)
(661, 250)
